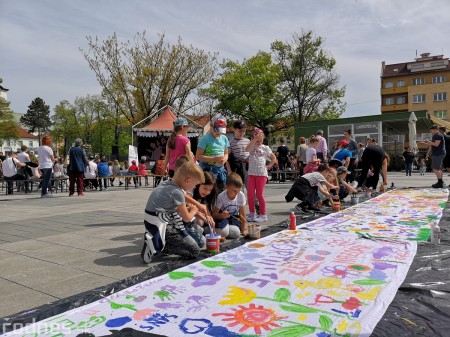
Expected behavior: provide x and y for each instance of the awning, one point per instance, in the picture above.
(149, 134)
(439, 122)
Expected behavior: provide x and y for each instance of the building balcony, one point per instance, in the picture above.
(394, 90)
(394, 108)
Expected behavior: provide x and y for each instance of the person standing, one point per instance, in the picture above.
(77, 167)
(322, 148)
(213, 151)
(301, 154)
(260, 154)
(437, 144)
(238, 158)
(282, 157)
(178, 144)
(46, 160)
(408, 159)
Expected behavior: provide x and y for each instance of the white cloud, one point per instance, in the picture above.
(41, 57)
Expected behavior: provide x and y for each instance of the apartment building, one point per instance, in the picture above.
(420, 85)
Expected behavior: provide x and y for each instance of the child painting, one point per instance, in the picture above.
(229, 211)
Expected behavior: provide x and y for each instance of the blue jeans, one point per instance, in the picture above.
(46, 178)
(408, 168)
(217, 172)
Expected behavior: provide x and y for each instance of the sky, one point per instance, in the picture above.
(40, 40)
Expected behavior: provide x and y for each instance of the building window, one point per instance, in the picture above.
(389, 101)
(388, 85)
(438, 79)
(30, 143)
(401, 100)
(437, 63)
(442, 114)
(440, 96)
(9, 143)
(401, 83)
(20, 143)
(418, 81)
(419, 98)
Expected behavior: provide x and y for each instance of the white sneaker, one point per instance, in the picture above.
(146, 255)
(261, 218)
(250, 217)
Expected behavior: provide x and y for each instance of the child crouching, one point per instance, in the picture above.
(229, 211)
(165, 212)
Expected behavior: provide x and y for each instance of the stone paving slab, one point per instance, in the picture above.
(55, 248)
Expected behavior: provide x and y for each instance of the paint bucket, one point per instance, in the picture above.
(354, 200)
(212, 243)
(254, 231)
(336, 206)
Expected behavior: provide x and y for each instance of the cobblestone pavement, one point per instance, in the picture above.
(58, 247)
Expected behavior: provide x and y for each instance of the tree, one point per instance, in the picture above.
(140, 77)
(66, 126)
(251, 90)
(308, 71)
(37, 118)
(8, 127)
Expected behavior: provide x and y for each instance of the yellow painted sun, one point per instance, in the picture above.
(253, 316)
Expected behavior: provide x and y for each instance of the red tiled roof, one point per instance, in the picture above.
(25, 134)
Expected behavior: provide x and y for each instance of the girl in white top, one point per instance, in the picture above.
(260, 154)
(46, 160)
(312, 162)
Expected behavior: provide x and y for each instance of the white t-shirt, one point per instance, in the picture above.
(231, 206)
(45, 154)
(23, 157)
(257, 160)
(9, 169)
(91, 170)
(309, 154)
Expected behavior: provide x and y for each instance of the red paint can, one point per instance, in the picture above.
(212, 243)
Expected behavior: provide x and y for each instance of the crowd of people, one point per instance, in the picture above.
(221, 188)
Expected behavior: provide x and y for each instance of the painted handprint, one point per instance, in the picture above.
(199, 300)
(163, 295)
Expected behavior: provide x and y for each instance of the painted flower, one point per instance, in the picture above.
(205, 280)
(256, 317)
(241, 270)
(336, 271)
(351, 303)
(236, 295)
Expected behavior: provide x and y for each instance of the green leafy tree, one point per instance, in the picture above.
(66, 126)
(308, 72)
(141, 77)
(252, 90)
(37, 118)
(8, 127)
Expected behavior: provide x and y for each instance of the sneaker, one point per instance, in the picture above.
(106, 189)
(261, 218)
(250, 217)
(46, 196)
(327, 203)
(438, 185)
(302, 208)
(146, 255)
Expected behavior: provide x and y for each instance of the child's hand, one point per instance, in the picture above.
(192, 209)
(335, 187)
(244, 232)
(211, 221)
(225, 214)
